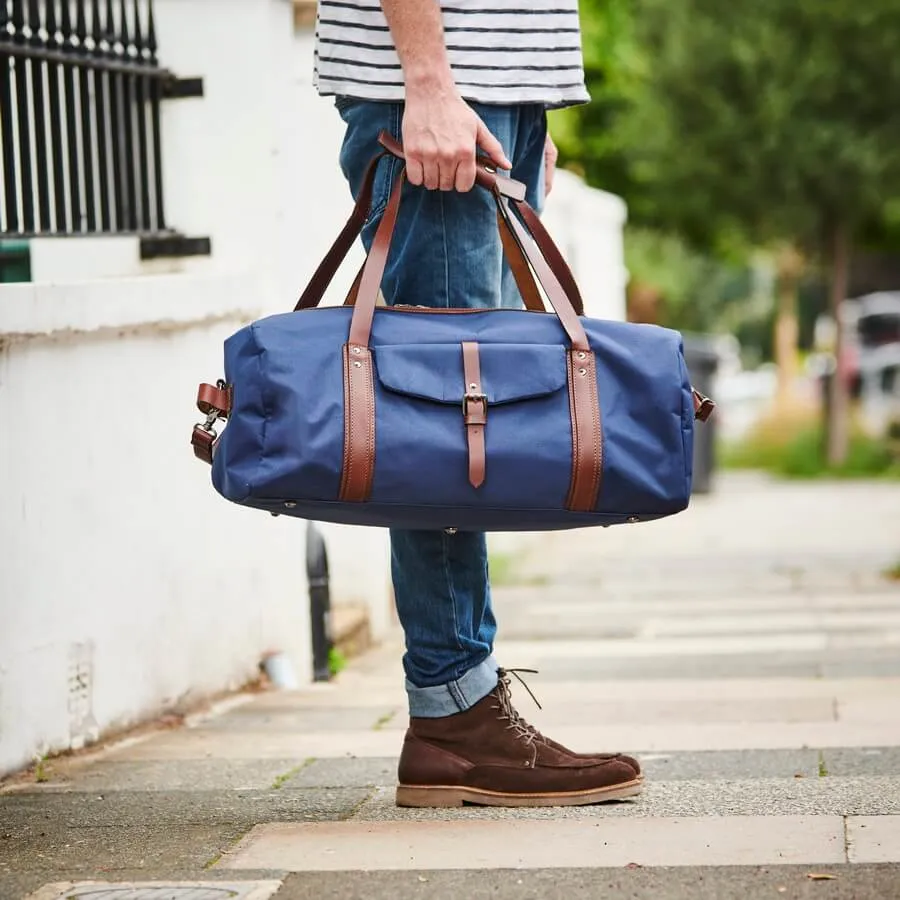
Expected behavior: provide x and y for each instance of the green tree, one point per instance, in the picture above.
(774, 121)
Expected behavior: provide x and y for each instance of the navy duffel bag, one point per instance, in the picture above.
(411, 417)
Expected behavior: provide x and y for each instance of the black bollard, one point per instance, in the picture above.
(319, 602)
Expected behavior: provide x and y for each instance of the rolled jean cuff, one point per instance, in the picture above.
(455, 696)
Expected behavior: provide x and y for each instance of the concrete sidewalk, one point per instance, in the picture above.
(748, 650)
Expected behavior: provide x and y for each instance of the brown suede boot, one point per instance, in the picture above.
(488, 755)
(503, 677)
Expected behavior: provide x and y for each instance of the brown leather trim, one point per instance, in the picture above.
(203, 443)
(703, 406)
(373, 269)
(211, 398)
(474, 413)
(359, 424)
(587, 436)
(518, 264)
(552, 254)
(327, 269)
(557, 296)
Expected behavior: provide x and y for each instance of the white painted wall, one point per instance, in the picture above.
(117, 556)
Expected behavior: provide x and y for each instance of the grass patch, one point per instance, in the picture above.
(337, 662)
(505, 569)
(502, 568)
(41, 770)
(823, 771)
(791, 444)
(893, 573)
(284, 777)
(383, 720)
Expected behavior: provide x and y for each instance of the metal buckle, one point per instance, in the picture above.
(213, 415)
(207, 426)
(474, 398)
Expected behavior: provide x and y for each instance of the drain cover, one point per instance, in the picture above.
(158, 890)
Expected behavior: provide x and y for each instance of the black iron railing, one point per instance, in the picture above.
(80, 95)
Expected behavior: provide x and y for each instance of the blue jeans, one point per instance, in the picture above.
(446, 252)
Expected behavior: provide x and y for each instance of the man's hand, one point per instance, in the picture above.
(551, 154)
(440, 135)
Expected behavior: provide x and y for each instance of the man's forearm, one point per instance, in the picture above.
(418, 32)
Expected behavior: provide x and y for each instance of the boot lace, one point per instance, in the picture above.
(503, 694)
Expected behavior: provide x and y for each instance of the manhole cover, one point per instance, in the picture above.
(158, 890)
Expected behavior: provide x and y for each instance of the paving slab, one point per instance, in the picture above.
(752, 797)
(674, 736)
(96, 851)
(382, 691)
(162, 808)
(359, 772)
(735, 765)
(198, 745)
(860, 882)
(869, 709)
(189, 775)
(874, 839)
(539, 598)
(682, 710)
(303, 721)
(862, 761)
(833, 663)
(713, 668)
(511, 844)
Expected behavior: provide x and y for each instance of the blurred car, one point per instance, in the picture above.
(871, 358)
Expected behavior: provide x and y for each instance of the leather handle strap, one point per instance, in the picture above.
(491, 180)
(327, 269)
(552, 285)
(552, 254)
(373, 271)
(518, 264)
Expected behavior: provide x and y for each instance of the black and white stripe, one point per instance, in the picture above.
(498, 53)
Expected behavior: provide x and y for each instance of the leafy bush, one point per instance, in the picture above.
(793, 446)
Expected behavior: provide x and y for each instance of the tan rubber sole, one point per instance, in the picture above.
(439, 796)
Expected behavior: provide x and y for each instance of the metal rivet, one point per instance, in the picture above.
(357, 350)
(473, 386)
(632, 519)
(357, 365)
(582, 371)
(289, 505)
(581, 355)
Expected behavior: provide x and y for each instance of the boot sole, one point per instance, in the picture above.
(439, 796)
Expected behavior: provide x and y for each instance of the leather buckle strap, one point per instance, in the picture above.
(215, 398)
(703, 406)
(474, 408)
(215, 402)
(203, 440)
(475, 417)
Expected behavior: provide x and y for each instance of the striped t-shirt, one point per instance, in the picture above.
(499, 53)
